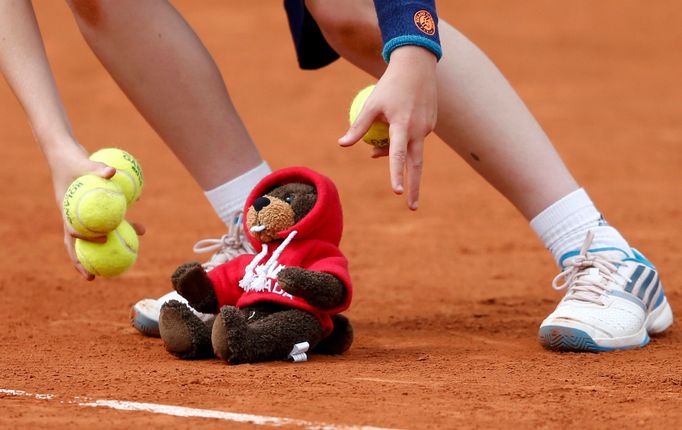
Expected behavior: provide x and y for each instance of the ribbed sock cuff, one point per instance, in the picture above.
(569, 213)
(563, 226)
(231, 196)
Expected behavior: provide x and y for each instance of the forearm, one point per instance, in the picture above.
(24, 64)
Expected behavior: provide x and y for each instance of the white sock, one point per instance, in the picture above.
(563, 226)
(230, 197)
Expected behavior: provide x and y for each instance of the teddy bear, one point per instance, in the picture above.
(281, 302)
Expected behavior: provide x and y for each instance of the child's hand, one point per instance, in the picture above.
(406, 98)
(67, 161)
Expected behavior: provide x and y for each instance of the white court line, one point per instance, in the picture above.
(181, 411)
(19, 393)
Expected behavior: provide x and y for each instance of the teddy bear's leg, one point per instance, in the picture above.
(238, 340)
(184, 334)
(340, 340)
(228, 333)
(191, 282)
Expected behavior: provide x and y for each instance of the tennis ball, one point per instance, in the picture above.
(377, 135)
(128, 171)
(113, 257)
(93, 206)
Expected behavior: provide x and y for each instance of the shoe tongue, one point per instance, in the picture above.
(592, 275)
(588, 276)
(615, 256)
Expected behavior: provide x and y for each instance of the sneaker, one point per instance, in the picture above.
(231, 245)
(614, 300)
(144, 315)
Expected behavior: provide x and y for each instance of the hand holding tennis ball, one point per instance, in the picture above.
(406, 97)
(95, 207)
(377, 135)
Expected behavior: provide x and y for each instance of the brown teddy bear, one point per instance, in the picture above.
(278, 303)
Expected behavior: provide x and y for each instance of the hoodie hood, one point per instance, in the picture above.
(325, 220)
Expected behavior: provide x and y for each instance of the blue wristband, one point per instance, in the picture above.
(399, 41)
(408, 22)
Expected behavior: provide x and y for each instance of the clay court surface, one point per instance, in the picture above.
(447, 300)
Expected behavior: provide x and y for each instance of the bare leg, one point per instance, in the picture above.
(170, 77)
(479, 115)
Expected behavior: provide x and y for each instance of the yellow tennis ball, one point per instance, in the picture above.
(93, 206)
(377, 135)
(128, 171)
(113, 257)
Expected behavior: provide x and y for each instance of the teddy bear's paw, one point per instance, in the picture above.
(228, 336)
(191, 282)
(183, 333)
(318, 288)
(289, 279)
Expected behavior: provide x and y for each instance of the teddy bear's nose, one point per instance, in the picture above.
(260, 203)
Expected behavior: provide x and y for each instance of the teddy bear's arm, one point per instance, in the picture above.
(191, 282)
(320, 289)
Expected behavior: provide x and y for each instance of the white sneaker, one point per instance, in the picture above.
(144, 315)
(231, 245)
(613, 301)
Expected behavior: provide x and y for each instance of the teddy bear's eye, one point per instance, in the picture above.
(289, 198)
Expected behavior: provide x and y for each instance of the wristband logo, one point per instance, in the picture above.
(424, 22)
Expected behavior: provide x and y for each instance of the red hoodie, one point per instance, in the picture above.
(312, 243)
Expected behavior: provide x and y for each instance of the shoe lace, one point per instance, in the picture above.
(229, 246)
(587, 275)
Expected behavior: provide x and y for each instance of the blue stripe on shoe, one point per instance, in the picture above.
(661, 297)
(567, 339)
(652, 295)
(642, 288)
(634, 278)
(640, 259)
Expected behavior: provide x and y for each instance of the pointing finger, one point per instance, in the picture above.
(415, 167)
(397, 152)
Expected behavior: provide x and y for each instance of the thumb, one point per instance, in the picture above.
(358, 129)
(102, 170)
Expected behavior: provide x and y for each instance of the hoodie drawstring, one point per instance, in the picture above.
(255, 276)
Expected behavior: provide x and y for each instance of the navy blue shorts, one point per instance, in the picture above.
(312, 50)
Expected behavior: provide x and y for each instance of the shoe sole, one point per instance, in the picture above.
(143, 323)
(571, 339)
(568, 339)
